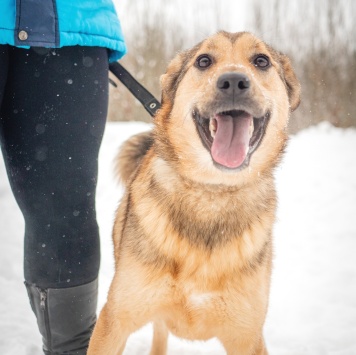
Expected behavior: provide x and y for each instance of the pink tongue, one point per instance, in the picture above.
(231, 141)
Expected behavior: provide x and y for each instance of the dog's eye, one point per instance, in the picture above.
(261, 61)
(203, 61)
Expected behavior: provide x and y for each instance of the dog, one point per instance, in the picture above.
(193, 232)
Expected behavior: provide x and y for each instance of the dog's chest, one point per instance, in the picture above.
(199, 300)
(196, 314)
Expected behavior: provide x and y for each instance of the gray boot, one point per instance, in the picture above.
(65, 317)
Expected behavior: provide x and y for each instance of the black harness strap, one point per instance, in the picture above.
(149, 102)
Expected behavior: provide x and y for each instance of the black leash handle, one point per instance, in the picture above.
(149, 102)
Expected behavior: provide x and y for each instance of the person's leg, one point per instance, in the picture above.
(52, 121)
(3, 70)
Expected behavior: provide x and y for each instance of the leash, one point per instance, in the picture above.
(149, 102)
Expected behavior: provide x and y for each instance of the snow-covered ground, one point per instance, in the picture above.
(313, 297)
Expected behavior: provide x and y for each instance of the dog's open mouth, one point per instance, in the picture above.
(231, 136)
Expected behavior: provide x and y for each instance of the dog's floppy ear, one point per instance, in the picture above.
(291, 81)
(170, 80)
(175, 73)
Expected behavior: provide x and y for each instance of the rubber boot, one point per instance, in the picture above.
(65, 317)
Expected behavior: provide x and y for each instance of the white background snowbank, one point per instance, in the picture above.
(313, 296)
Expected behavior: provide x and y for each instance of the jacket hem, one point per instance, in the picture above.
(117, 48)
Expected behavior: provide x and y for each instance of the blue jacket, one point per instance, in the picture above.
(58, 23)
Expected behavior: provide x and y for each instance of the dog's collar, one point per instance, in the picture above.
(149, 102)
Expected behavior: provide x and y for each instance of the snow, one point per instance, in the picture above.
(313, 295)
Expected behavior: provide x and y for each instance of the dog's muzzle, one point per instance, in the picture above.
(232, 131)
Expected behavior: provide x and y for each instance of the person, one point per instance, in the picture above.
(54, 58)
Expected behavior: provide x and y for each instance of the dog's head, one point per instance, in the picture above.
(226, 104)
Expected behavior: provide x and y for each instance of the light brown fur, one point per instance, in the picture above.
(193, 241)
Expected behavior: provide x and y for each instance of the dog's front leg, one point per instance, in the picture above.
(109, 335)
(244, 345)
(160, 337)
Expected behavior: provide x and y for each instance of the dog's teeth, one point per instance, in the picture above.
(213, 126)
(251, 128)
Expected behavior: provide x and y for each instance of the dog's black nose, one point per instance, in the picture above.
(233, 83)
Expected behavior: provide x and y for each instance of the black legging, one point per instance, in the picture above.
(53, 106)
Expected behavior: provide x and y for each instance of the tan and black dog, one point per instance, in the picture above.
(193, 233)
